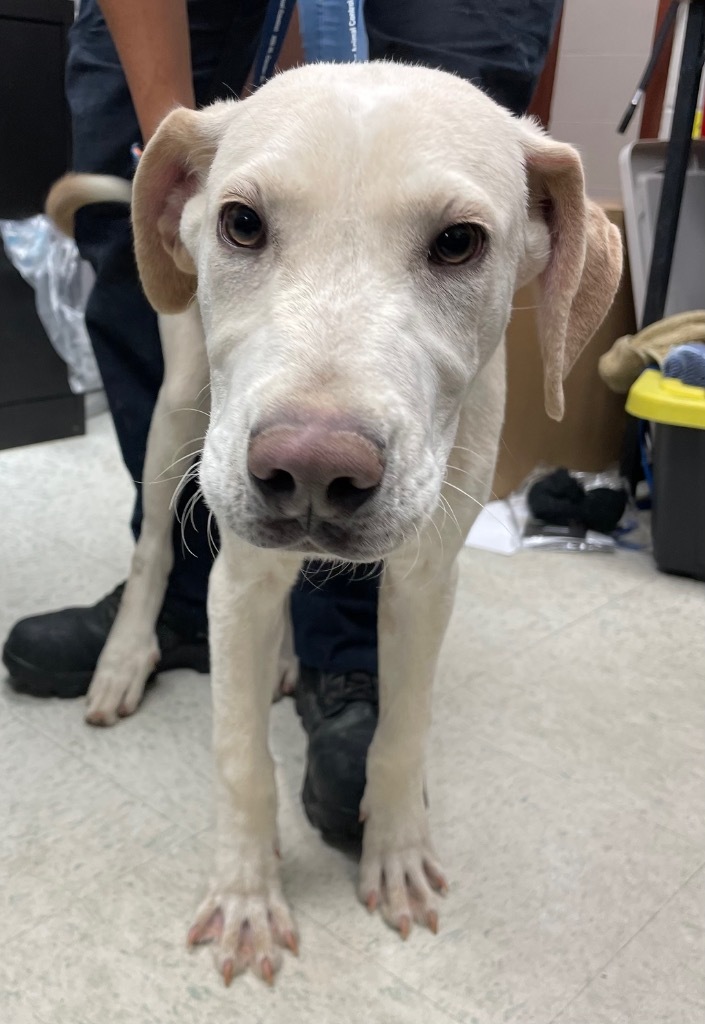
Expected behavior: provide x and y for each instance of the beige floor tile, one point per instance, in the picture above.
(161, 755)
(547, 882)
(507, 604)
(659, 976)
(66, 828)
(41, 573)
(119, 955)
(60, 488)
(614, 699)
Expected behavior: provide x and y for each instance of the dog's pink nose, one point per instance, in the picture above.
(318, 464)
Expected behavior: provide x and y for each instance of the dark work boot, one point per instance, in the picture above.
(339, 714)
(55, 655)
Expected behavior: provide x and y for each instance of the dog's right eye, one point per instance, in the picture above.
(459, 243)
(242, 226)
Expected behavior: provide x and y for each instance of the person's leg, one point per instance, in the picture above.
(56, 653)
(127, 345)
(334, 615)
(499, 45)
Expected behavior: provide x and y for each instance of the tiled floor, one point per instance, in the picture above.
(567, 788)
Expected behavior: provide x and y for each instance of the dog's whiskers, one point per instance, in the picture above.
(163, 479)
(471, 451)
(448, 511)
(205, 387)
(188, 513)
(188, 408)
(212, 546)
(190, 474)
(447, 483)
(198, 493)
(434, 524)
(306, 571)
(508, 449)
(376, 570)
(418, 554)
(197, 441)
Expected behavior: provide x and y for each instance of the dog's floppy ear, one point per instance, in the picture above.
(584, 266)
(172, 169)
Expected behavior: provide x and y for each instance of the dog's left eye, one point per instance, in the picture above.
(242, 226)
(459, 243)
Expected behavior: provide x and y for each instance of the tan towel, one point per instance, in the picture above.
(625, 361)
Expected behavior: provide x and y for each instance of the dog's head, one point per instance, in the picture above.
(355, 235)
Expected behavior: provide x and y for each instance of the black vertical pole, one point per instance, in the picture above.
(677, 156)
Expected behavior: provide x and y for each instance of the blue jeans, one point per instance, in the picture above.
(499, 44)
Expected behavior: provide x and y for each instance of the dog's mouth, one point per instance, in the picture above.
(317, 536)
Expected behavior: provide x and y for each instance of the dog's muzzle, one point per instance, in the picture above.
(315, 479)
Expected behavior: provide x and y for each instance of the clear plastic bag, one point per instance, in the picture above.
(506, 526)
(536, 534)
(51, 263)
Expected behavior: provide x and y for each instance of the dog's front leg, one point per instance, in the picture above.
(245, 914)
(175, 437)
(399, 871)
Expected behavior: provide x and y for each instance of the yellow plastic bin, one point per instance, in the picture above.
(677, 413)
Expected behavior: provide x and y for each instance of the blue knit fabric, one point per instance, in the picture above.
(687, 364)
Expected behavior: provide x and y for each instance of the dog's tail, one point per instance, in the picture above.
(70, 193)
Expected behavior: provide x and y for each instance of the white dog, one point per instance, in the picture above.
(338, 255)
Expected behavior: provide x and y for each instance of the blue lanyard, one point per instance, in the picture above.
(331, 30)
(274, 29)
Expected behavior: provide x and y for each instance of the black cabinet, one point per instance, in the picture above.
(36, 403)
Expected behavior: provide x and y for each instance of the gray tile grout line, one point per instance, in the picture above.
(627, 942)
(82, 897)
(19, 716)
(367, 958)
(94, 767)
(106, 776)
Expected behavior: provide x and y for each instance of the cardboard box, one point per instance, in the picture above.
(589, 437)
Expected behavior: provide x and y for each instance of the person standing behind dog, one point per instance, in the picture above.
(128, 65)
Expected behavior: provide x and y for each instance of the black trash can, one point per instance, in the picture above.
(676, 412)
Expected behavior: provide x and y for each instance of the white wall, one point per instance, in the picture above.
(603, 50)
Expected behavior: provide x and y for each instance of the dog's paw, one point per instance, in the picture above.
(400, 874)
(119, 681)
(245, 930)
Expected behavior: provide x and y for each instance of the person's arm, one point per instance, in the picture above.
(152, 40)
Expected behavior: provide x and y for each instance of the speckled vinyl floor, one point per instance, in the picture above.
(566, 780)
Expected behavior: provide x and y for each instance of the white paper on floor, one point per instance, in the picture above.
(496, 529)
